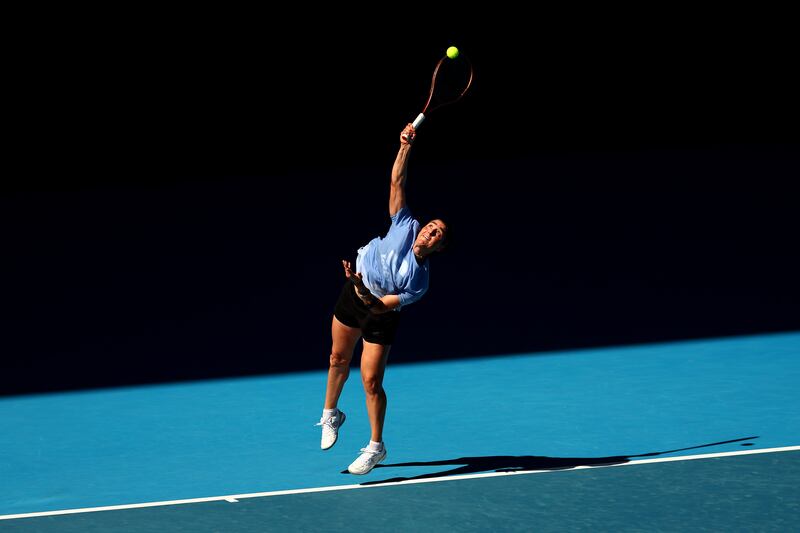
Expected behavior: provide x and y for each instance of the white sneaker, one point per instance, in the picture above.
(366, 461)
(330, 429)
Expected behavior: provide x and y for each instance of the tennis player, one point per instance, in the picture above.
(391, 273)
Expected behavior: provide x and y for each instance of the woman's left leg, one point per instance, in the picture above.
(373, 367)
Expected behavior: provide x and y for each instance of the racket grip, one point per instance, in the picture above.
(415, 124)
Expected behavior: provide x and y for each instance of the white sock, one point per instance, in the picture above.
(375, 446)
(329, 413)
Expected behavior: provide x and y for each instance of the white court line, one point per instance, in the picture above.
(235, 497)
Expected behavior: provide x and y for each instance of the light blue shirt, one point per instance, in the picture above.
(388, 266)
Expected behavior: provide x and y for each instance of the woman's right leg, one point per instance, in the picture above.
(344, 342)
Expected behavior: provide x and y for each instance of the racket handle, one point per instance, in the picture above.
(416, 123)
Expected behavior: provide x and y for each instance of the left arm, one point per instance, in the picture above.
(375, 305)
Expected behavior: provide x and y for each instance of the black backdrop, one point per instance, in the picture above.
(183, 193)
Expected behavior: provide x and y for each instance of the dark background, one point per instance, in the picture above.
(179, 192)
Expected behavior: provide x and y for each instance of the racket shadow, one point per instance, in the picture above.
(522, 463)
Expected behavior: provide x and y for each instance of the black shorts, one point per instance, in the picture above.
(351, 311)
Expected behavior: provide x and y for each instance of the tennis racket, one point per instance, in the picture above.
(451, 80)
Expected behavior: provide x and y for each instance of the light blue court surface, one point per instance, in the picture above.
(537, 411)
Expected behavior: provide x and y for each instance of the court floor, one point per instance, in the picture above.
(663, 437)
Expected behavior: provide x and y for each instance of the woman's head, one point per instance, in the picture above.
(432, 237)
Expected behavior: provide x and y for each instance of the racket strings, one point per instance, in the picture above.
(451, 81)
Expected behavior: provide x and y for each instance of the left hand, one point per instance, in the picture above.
(354, 277)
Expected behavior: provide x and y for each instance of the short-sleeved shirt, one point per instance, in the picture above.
(388, 266)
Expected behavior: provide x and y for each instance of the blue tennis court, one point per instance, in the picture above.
(690, 435)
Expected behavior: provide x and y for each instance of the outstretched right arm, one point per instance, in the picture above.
(397, 190)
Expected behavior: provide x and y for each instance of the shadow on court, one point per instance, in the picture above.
(522, 463)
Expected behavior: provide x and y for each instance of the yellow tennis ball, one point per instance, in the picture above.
(452, 52)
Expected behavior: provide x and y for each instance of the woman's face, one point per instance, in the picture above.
(431, 236)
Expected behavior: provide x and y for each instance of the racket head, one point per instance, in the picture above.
(451, 80)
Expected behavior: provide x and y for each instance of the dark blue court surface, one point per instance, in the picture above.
(743, 493)
(559, 410)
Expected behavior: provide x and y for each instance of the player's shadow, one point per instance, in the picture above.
(522, 463)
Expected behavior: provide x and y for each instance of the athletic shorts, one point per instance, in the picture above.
(351, 311)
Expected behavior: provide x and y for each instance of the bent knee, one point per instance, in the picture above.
(339, 359)
(372, 384)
